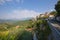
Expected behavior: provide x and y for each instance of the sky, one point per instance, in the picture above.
(19, 9)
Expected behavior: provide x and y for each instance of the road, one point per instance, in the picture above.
(55, 31)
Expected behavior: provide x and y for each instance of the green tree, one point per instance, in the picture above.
(57, 8)
(53, 13)
(41, 29)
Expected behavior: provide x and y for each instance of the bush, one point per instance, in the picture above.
(42, 29)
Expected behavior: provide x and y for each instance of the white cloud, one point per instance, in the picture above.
(8, 0)
(19, 14)
(4, 1)
(18, 1)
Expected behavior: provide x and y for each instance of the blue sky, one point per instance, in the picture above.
(18, 9)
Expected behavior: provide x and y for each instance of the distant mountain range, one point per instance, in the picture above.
(13, 20)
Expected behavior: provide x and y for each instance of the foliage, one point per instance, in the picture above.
(57, 8)
(30, 24)
(42, 29)
(8, 31)
(3, 35)
(26, 35)
(53, 13)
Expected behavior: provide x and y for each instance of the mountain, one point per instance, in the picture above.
(13, 20)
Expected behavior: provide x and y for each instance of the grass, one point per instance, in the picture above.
(16, 34)
(11, 32)
(26, 35)
(3, 35)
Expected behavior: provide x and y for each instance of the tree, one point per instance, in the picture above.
(57, 8)
(41, 29)
(53, 13)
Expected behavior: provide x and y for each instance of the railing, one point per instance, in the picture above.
(34, 36)
(55, 32)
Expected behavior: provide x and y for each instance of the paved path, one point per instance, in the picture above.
(56, 25)
(55, 32)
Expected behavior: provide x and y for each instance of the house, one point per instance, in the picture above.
(51, 17)
(41, 15)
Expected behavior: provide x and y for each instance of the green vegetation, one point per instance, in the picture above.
(15, 30)
(26, 35)
(41, 29)
(23, 30)
(57, 8)
(53, 13)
